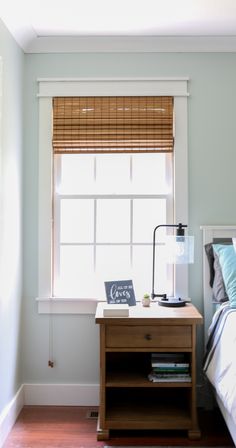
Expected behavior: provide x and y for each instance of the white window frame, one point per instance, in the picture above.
(48, 88)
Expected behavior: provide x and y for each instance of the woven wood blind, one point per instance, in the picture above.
(112, 124)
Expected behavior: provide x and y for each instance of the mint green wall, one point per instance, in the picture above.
(212, 161)
(11, 150)
(212, 185)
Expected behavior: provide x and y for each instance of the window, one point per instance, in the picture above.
(105, 207)
(113, 183)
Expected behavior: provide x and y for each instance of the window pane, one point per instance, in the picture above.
(77, 173)
(113, 263)
(142, 271)
(111, 224)
(147, 214)
(112, 173)
(78, 279)
(77, 220)
(149, 174)
(113, 221)
(76, 271)
(162, 285)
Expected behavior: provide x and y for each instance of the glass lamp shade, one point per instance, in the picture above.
(234, 243)
(179, 249)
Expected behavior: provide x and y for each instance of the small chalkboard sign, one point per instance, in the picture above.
(120, 292)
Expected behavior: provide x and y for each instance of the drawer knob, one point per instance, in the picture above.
(148, 337)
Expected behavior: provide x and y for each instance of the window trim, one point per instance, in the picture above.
(177, 87)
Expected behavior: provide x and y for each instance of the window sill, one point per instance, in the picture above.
(60, 305)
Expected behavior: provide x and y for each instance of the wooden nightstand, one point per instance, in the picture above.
(128, 400)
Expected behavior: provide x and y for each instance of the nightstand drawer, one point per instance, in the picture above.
(148, 336)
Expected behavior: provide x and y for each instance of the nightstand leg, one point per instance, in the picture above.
(194, 434)
(102, 434)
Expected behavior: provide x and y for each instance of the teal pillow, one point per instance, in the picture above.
(227, 259)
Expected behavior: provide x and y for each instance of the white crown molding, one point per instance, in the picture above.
(28, 40)
(22, 32)
(128, 44)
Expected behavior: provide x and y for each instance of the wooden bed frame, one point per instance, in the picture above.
(209, 233)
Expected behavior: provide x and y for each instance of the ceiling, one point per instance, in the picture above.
(76, 25)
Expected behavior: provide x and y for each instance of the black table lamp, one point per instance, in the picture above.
(181, 253)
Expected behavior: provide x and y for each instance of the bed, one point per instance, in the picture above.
(219, 294)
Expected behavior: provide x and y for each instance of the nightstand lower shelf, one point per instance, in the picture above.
(150, 409)
(147, 417)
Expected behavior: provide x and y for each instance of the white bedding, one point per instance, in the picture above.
(220, 364)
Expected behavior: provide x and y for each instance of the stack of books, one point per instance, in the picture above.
(169, 367)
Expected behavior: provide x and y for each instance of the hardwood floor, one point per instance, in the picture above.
(70, 427)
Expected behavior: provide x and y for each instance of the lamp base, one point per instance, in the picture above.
(171, 301)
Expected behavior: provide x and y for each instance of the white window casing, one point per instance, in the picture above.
(48, 88)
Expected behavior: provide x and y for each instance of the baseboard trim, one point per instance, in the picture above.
(61, 394)
(10, 413)
(46, 395)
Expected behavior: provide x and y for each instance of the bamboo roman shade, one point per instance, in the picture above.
(112, 124)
